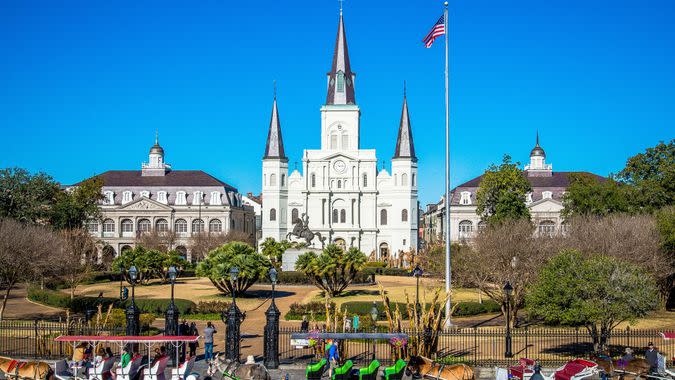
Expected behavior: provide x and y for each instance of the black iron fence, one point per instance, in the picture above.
(486, 346)
(35, 338)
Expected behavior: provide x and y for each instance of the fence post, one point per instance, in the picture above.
(475, 345)
(35, 331)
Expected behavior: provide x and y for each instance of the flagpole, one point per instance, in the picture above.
(448, 272)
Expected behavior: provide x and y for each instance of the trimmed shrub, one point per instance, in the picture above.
(386, 271)
(474, 308)
(211, 307)
(80, 304)
(299, 278)
(375, 264)
(316, 308)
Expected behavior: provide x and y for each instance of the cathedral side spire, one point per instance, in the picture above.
(405, 147)
(275, 143)
(340, 77)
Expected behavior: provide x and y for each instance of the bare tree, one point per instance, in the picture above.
(162, 241)
(24, 254)
(631, 238)
(203, 243)
(77, 257)
(506, 252)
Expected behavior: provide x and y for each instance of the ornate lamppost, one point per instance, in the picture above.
(132, 312)
(172, 313)
(508, 290)
(232, 319)
(417, 272)
(271, 336)
(374, 314)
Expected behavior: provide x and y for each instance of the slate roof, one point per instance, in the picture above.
(341, 63)
(173, 178)
(557, 179)
(405, 148)
(275, 143)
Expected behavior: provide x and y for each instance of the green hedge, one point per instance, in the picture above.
(385, 271)
(363, 308)
(82, 303)
(375, 264)
(299, 278)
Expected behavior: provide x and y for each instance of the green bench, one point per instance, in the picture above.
(396, 371)
(370, 372)
(314, 371)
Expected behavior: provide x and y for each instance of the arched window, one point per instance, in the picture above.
(414, 180)
(343, 216)
(465, 198)
(546, 228)
(340, 81)
(232, 222)
(109, 198)
(404, 179)
(181, 198)
(108, 226)
(313, 177)
(273, 215)
(481, 225)
(180, 226)
(333, 141)
(273, 179)
(215, 198)
(294, 215)
(215, 225)
(365, 180)
(404, 215)
(162, 225)
(383, 217)
(144, 225)
(335, 216)
(345, 141)
(465, 228)
(283, 180)
(339, 183)
(547, 195)
(127, 225)
(161, 197)
(92, 225)
(197, 226)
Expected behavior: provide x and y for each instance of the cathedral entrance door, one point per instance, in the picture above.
(384, 252)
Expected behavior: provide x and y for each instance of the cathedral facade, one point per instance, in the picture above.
(340, 195)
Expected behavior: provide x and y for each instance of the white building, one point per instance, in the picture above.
(157, 198)
(544, 202)
(340, 190)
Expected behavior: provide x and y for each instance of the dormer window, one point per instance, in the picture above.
(340, 81)
(161, 197)
(528, 198)
(181, 199)
(109, 198)
(127, 196)
(215, 198)
(197, 197)
(465, 198)
(547, 195)
(145, 193)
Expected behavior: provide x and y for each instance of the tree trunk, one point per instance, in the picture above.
(4, 301)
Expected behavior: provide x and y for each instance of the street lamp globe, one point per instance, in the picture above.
(173, 273)
(133, 273)
(273, 275)
(234, 273)
(417, 271)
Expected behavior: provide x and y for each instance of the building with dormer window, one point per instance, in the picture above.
(161, 199)
(545, 202)
(340, 191)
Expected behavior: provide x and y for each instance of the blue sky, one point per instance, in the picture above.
(84, 84)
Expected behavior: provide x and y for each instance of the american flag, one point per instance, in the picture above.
(437, 30)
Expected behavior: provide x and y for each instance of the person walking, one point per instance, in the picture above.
(652, 357)
(193, 345)
(333, 357)
(208, 340)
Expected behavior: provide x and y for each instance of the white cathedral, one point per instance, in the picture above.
(340, 194)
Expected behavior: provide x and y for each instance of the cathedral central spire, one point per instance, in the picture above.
(340, 77)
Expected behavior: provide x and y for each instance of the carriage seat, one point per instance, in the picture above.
(102, 370)
(345, 372)
(131, 370)
(62, 370)
(576, 369)
(370, 372)
(156, 372)
(396, 371)
(183, 369)
(314, 371)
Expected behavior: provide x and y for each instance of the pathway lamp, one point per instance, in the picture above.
(132, 312)
(417, 272)
(232, 319)
(374, 314)
(172, 313)
(508, 290)
(271, 354)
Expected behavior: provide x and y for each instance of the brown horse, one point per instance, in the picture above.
(33, 370)
(425, 367)
(631, 369)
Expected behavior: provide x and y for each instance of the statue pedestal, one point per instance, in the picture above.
(291, 255)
